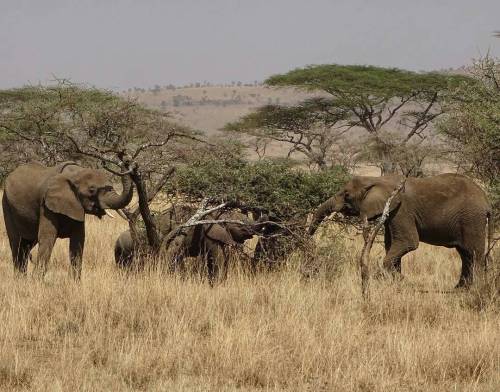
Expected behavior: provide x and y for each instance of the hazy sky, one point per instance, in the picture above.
(123, 43)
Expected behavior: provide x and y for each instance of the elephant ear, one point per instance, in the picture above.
(375, 197)
(220, 234)
(61, 199)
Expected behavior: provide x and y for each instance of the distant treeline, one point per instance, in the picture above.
(157, 88)
(229, 99)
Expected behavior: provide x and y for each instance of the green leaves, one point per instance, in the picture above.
(472, 124)
(276, 118)
(388, 103)
(71, 122)
(359, 82)
(272, 185)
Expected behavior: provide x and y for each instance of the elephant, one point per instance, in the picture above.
(41, 204)
(447, 210)
(208, 241)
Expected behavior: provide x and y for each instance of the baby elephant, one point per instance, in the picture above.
(208, 241)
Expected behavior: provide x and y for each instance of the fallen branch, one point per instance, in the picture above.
(198, 215)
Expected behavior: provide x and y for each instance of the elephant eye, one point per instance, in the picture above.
(105, 189)
(92, 190)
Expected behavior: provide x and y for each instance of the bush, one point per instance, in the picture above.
(472, 125)
(274, 186)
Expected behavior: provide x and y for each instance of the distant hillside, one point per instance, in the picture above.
(209, 108)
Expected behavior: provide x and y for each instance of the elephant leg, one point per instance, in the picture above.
(259, 256)
(396, 262)
(467, 268)
(20, 247)
(472, 254)
(20, 253)
(47, 234)
(392, 259)
(212, 268)
(173, 256)
(178, 264)
(216, 260)
(402, 238)
(473, 263)
(76, 244)
(222, 259)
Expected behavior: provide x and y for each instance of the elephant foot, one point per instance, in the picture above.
(388, 274)
(39, 273)
(463, 284)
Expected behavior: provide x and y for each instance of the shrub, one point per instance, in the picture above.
(271, 185)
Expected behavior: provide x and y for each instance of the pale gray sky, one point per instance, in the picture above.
(123, 43)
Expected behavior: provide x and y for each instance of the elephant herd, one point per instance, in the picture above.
(41, 204)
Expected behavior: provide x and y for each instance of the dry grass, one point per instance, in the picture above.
(276, 331)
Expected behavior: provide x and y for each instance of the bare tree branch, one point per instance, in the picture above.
(369, 237)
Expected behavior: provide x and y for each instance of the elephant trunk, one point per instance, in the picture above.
(321, 213)
(115, 201)
(264, 224)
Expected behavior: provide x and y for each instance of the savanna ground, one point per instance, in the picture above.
(275, 331)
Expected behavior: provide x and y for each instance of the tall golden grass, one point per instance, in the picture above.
(274, 331)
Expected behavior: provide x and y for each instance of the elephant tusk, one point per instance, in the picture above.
(122, 214)
(109, 214)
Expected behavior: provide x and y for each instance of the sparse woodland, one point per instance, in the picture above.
(297, 324)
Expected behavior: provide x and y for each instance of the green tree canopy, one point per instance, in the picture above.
(308, 128)
(472, 124)
(67, 121)
(394, 107)
(273, 186)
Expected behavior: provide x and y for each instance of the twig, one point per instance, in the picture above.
(133, 166)
(200, 213)
(369, 238)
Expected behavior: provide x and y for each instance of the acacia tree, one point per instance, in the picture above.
(393, 107)
(65, 121)
(472, 124)
(312, 128)
(271, 189)
(270, 186)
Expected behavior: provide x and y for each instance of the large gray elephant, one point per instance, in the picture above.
(447, 210)
(209, 241)
(42, 203)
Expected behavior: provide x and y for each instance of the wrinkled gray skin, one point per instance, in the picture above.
(42, 203)
(447, 210)
(207, 241)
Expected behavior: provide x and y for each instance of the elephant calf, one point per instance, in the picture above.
(207, 241)
(447, 210)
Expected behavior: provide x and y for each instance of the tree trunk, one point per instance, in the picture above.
(387, 165)
(151, 232)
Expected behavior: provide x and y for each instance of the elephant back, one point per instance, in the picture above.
(171, 218)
